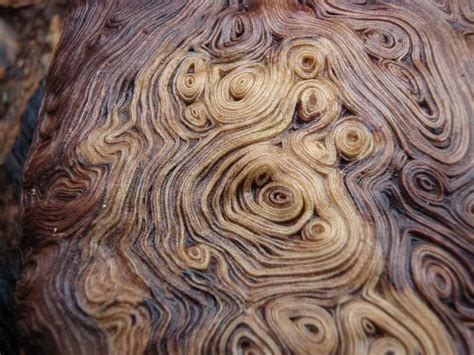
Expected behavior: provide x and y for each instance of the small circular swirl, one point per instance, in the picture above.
(241, 84)
(248, 94)
(318, 100)
(191, 79)
(308, 108)
(370, 327)
(307, 63)
(306, 57)
(442, 281)
(445, 281)
(386, 41)
(302, 324)
(198, 256)
(264, 199)
(235, 35)
(278, 202)
(318, 230)
(353, 139)
(387, 346)
(197, 118)
(404, 77)
(247, 335)
(438, 269)
(422, 182)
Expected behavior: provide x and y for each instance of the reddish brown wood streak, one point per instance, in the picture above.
(275, 177)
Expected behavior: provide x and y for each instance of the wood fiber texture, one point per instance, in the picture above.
(260, 177)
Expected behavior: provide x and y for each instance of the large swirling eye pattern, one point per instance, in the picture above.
(253, 177)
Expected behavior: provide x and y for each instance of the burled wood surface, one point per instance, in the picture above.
(255, 177)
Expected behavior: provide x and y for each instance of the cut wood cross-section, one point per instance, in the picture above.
(253, 177)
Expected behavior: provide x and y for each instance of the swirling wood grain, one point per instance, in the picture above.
(257, 177)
